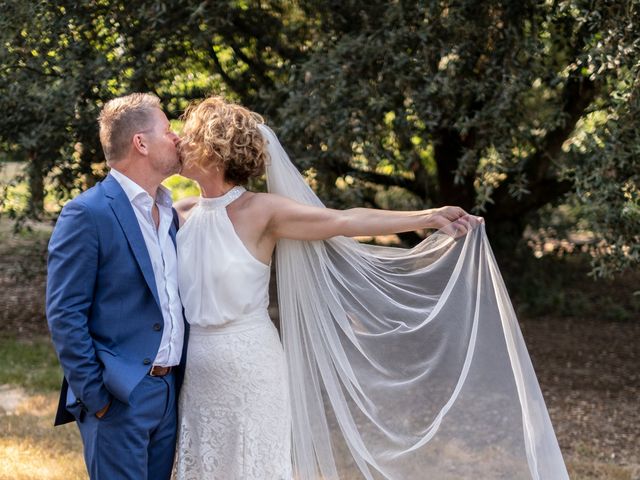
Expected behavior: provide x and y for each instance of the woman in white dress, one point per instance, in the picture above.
(235, 406)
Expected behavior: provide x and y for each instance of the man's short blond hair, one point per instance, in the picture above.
(120, 119)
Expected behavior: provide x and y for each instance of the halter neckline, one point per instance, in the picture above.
(222, 200)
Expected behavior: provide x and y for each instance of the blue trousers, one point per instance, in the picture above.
(135, 441)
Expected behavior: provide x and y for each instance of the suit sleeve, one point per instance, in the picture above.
(71, 278)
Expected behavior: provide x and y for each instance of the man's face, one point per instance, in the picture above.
(162, 145)
(188, 170)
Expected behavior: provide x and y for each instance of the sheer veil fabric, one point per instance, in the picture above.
(405, 363)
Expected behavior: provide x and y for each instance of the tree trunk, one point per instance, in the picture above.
(504, 234)
(447, 151)
(36, 187)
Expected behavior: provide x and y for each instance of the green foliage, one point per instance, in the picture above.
(500, 107)
(557, 286)
(181, 187)
(493, 94)
(607, 182)
(32, 365)
(62, 60)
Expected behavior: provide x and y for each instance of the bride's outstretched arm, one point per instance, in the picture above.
(289, 219)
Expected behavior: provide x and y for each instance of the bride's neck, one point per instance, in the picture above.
(214, 186)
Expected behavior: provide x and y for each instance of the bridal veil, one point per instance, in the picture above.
(405, 363)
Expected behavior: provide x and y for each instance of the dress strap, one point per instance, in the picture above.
(223, 200)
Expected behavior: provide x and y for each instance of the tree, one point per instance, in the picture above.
(504, 108)
(62, 60)
(468, 103)
(33, 94)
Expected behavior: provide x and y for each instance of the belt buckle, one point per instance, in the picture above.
(162, 371)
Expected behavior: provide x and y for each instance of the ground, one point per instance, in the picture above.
(587, 365)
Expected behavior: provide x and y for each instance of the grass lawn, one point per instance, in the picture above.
(30, 447)
(587, 366)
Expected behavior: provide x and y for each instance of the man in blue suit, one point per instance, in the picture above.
(112, 299)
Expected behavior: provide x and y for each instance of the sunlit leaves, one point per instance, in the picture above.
(502, 107)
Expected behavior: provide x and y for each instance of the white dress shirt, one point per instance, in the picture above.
(164, 261)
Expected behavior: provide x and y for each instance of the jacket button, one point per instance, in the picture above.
(157, 327)
(147, 361)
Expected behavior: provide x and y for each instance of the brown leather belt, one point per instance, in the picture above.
(158, 371)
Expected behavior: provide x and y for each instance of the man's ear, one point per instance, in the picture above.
(140, 144)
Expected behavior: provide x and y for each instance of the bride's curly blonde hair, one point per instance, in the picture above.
(220, 134)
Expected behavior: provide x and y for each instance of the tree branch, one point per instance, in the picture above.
(447, 150)
(31, 69)
(255, 66)
(262, 31)
(547, 190)
(386, 180)
(577, 96)
(236, 86)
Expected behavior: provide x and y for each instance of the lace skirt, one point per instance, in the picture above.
(234, 414)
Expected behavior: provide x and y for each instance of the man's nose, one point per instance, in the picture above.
(175, 138)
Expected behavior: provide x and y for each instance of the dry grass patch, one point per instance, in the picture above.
(31, 448)
(23, 459)
(591, 470)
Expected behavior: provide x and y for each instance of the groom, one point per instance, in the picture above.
(112, 299)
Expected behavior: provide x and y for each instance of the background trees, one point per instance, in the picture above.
(509, 109)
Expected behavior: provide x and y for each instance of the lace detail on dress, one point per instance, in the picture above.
(234, 416)
(234, 409)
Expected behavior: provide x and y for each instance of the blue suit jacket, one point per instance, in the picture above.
(102, 302)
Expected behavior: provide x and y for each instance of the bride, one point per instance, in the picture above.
(397, 363)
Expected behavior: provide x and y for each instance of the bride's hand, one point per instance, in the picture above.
(454, 221)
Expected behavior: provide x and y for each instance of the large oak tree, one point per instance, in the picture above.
(505, 108)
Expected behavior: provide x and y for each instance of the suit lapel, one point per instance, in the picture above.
(123, 211)
(173, 229)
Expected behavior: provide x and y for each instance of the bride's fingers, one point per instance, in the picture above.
(461, 230)
(462, 225)
(470, 221)
(455, 230)
(450, 230)
(473, 221)
(463, 222)
(477, 220)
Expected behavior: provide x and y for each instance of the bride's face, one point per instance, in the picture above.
(188, 169)
(191, 169)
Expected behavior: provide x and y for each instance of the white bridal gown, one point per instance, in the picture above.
(235, 420)
(401, 364)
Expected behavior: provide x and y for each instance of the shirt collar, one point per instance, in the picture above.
(133, 190)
